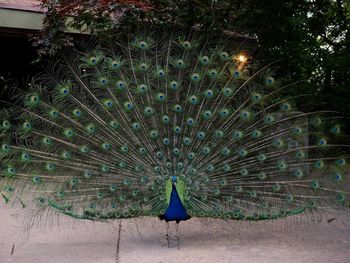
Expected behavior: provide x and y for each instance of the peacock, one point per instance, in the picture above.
(169, 124)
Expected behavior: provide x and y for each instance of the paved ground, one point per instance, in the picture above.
(143, 240)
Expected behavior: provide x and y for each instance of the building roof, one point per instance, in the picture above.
(28, 5)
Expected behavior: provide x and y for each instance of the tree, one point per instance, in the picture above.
(310, 37)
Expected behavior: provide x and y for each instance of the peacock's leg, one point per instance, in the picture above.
(177, 239)
(167, 234)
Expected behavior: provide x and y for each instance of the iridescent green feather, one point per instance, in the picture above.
(99, 135)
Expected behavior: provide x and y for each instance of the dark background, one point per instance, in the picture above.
(16, 56)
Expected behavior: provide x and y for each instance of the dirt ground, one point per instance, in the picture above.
(143, 240)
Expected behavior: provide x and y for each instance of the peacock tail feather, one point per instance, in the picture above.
(100, 133)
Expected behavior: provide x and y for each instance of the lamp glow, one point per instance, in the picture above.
(242, 58)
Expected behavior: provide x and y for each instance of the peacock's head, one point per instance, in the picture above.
(174, 179)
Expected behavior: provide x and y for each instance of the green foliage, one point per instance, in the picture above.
(98, 17)
(311, 38)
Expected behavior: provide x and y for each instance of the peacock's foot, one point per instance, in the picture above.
(172, 242)
(167, 240)
(177, 240)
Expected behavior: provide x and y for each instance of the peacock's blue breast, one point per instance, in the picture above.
(175, 211)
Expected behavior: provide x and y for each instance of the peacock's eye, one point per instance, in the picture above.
(177, 129)
(187, 141)
(6, 124)
(142, 151)
(206, 150)
(225, 151)
(174, 85)
(338, 177)
(180, 63)
(128, 105)
(93, 60)
(124, 148)
(148, 111)
(77, 113)
(121, 84)
(245, 115)
(224, 56)
(11, 171)
(154, 134)
(143, 45)
(186, 44)
(227, 92)
(25, 156)
(91, 128)
(5, 147)
(113, 124)
(65, 91)
(322, 142)
(143, 88)
(213, 73)
(224, 113)
(178, 108)
(144, 66)
(104, 168)
(136, 126)
(200, 135)
(166, 119)
(336, 129)
(87, 174)
(193, 99)
(161, 97)
(341, 162)
(190, 122)
(204, 60)
(176, 151)
(227, 167)
(103, 81)
(161, 73)
(36, 179)
(27, 125)
(193, 171)
(270, 80)
(34, 99)
(209, 93)
(195, 77)
(115, 64)
(236, 74)
(106, 146)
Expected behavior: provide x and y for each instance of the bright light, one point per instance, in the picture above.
(242, 58)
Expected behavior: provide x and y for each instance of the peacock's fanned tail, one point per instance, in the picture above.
(99, 133)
